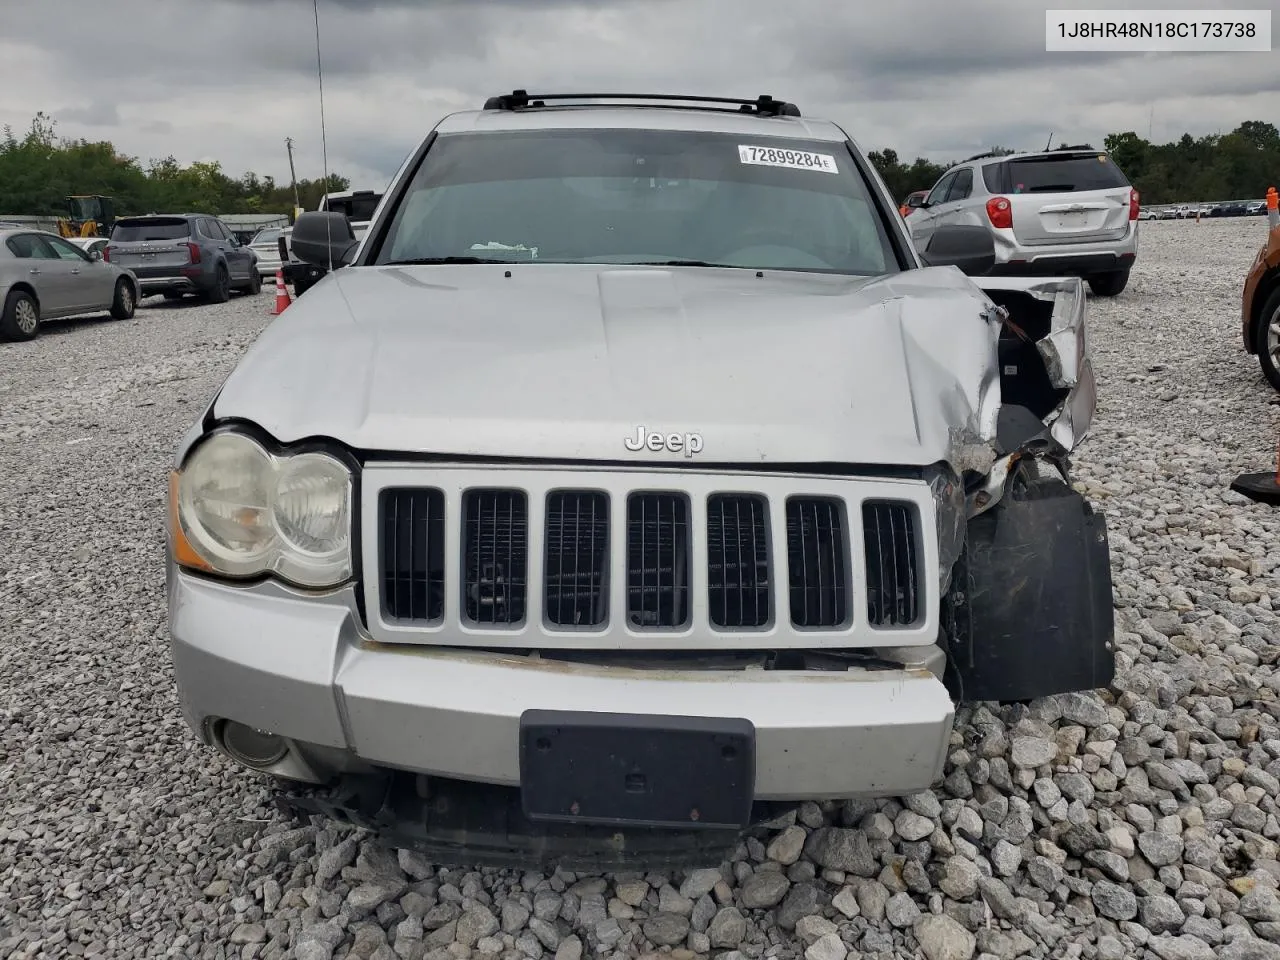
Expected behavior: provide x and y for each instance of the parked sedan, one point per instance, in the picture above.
(43, 276)
(90, 245)
(266, 244)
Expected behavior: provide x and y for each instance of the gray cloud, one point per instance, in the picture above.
(230, 79)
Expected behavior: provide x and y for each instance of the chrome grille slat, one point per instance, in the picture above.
(412, 554)
(548, 557)
(817, 541)
(657, 560)
(739, 584)
(576, 587)
(892, 563)
(495, 556)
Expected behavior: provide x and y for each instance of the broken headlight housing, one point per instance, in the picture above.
(241, 511)
(951, 512)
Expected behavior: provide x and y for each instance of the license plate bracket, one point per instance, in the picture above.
(633, 770)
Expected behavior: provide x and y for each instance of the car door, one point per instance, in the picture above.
(952, 208)
(237, 255)
(921, 222)
(92, 284)
(49, 275)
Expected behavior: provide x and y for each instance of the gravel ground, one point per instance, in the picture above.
(1140, 824)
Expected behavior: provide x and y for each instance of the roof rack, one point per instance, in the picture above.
(1076, 146)
(764, 104)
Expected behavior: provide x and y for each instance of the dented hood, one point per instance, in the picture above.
(569, 361)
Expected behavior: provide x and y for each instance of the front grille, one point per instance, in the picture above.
(495, 556)
(816, 554)
(889, 532)
(738, 582)
(412, 550)
(657, 560)
(531, 562)
(577, 559)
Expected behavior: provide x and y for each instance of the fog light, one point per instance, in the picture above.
(253, 748)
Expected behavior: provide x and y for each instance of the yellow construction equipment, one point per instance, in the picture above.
(91, 216)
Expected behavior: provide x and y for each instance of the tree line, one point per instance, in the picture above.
(1239, 165)
(40, 169)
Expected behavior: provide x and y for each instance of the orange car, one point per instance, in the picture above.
(1260, 309)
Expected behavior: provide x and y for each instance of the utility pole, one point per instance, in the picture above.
(297, 204)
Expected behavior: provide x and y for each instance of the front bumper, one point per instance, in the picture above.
(303, 668)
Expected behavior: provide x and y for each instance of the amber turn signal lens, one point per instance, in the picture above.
(183, 553)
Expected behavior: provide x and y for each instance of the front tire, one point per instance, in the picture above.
(1109, 284)
(1266, 339)
(20, 319)
(221, 291)
(124, 303)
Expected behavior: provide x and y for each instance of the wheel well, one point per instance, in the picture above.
(1268, 285)
(27, 289)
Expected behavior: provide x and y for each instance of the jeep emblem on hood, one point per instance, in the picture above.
(690, 443)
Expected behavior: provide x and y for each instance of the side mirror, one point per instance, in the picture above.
(95, 256)
(970, 248)
(917, 202)
(323, 236)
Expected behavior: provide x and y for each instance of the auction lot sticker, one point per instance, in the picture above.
(795, 159)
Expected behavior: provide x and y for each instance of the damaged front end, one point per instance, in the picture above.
(1029, 612)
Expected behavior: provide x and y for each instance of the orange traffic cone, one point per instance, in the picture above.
(1273, 208)
(282, 295)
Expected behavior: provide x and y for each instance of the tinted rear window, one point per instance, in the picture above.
(267, 236)
(1095, 171)
(150, 228)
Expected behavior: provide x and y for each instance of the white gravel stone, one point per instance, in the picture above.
(119, 837)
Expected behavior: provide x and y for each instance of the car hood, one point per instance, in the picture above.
(560, 361)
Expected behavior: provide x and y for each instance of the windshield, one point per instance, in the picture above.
(266, 236)
(623, 196)
(152, 228)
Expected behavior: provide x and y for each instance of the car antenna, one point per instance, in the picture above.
(324, 147)
(1048, 143)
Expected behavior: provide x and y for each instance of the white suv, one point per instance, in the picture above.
(1064, 212)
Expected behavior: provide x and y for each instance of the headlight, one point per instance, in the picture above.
(240, 511)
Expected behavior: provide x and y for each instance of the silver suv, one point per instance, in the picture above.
(1069, 211)
(631, 481)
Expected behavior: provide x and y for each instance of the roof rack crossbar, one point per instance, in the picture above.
(763, 104)
(982, 156)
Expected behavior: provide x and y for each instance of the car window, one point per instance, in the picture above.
(266, 236)
(940, 189)
(961, 186)
(641, 196)
(991, 177)
(1055, 174)
(64, 250)
(31, 246)
(150, 228)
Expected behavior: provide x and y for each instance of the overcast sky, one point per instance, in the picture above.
(228, 80)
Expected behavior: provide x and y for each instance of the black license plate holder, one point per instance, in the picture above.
(632, 770)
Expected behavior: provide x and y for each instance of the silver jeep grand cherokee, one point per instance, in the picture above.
(632, 480)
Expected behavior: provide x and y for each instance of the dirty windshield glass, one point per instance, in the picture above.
(620, 196)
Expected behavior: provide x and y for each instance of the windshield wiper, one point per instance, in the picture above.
(419, 261)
